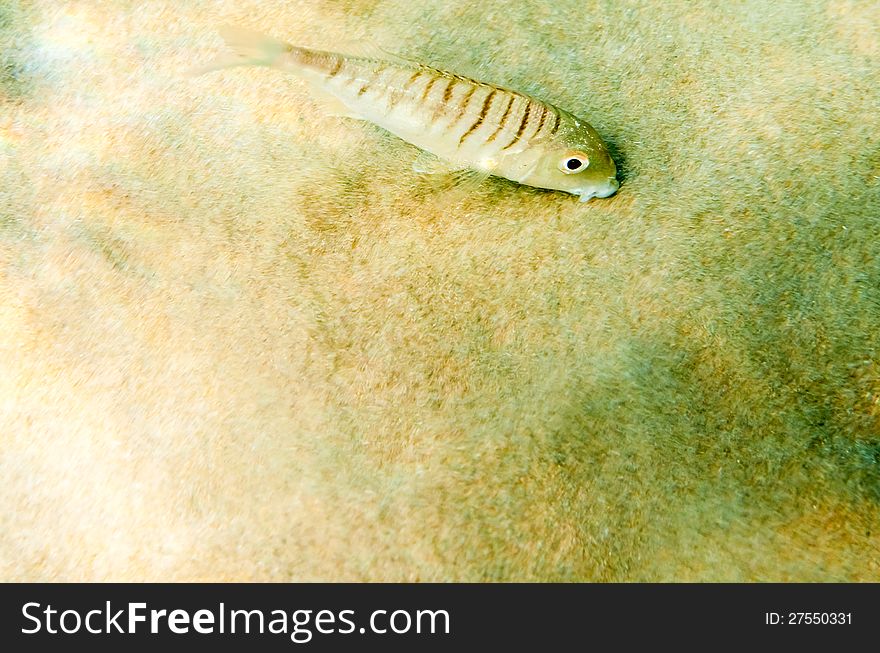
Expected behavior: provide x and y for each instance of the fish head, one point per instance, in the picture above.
(575, 161)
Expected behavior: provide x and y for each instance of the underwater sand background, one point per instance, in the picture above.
(241, 340)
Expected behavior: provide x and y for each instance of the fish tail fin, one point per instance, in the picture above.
(253, 48)
(250, 49)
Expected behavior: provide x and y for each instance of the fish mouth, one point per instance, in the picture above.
(607, 191)
(610, 189)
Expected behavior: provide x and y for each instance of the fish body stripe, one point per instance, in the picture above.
(395, 88)
(413, 78)
(522, 125)
(503, 120)
(443, 105)
(436, 99)
(487, 104)
(511, 121)
(555, 126)
(336, 67)
(371, 76)
(464, 101)
(447, 92)
(533, 117)
(544, 112)
(549, 123)
(326, 63)
(431, 81)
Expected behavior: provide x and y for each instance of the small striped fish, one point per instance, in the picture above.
(465, 123)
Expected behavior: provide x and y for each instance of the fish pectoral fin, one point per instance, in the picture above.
(430, 164)
(446, 174)
(470, 177)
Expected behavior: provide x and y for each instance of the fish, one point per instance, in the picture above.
(461, 125)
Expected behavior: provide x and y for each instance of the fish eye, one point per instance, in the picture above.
(573, 163)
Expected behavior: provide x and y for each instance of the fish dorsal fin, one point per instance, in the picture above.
(365, 48)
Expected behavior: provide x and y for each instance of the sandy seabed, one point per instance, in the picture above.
(241, 339)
